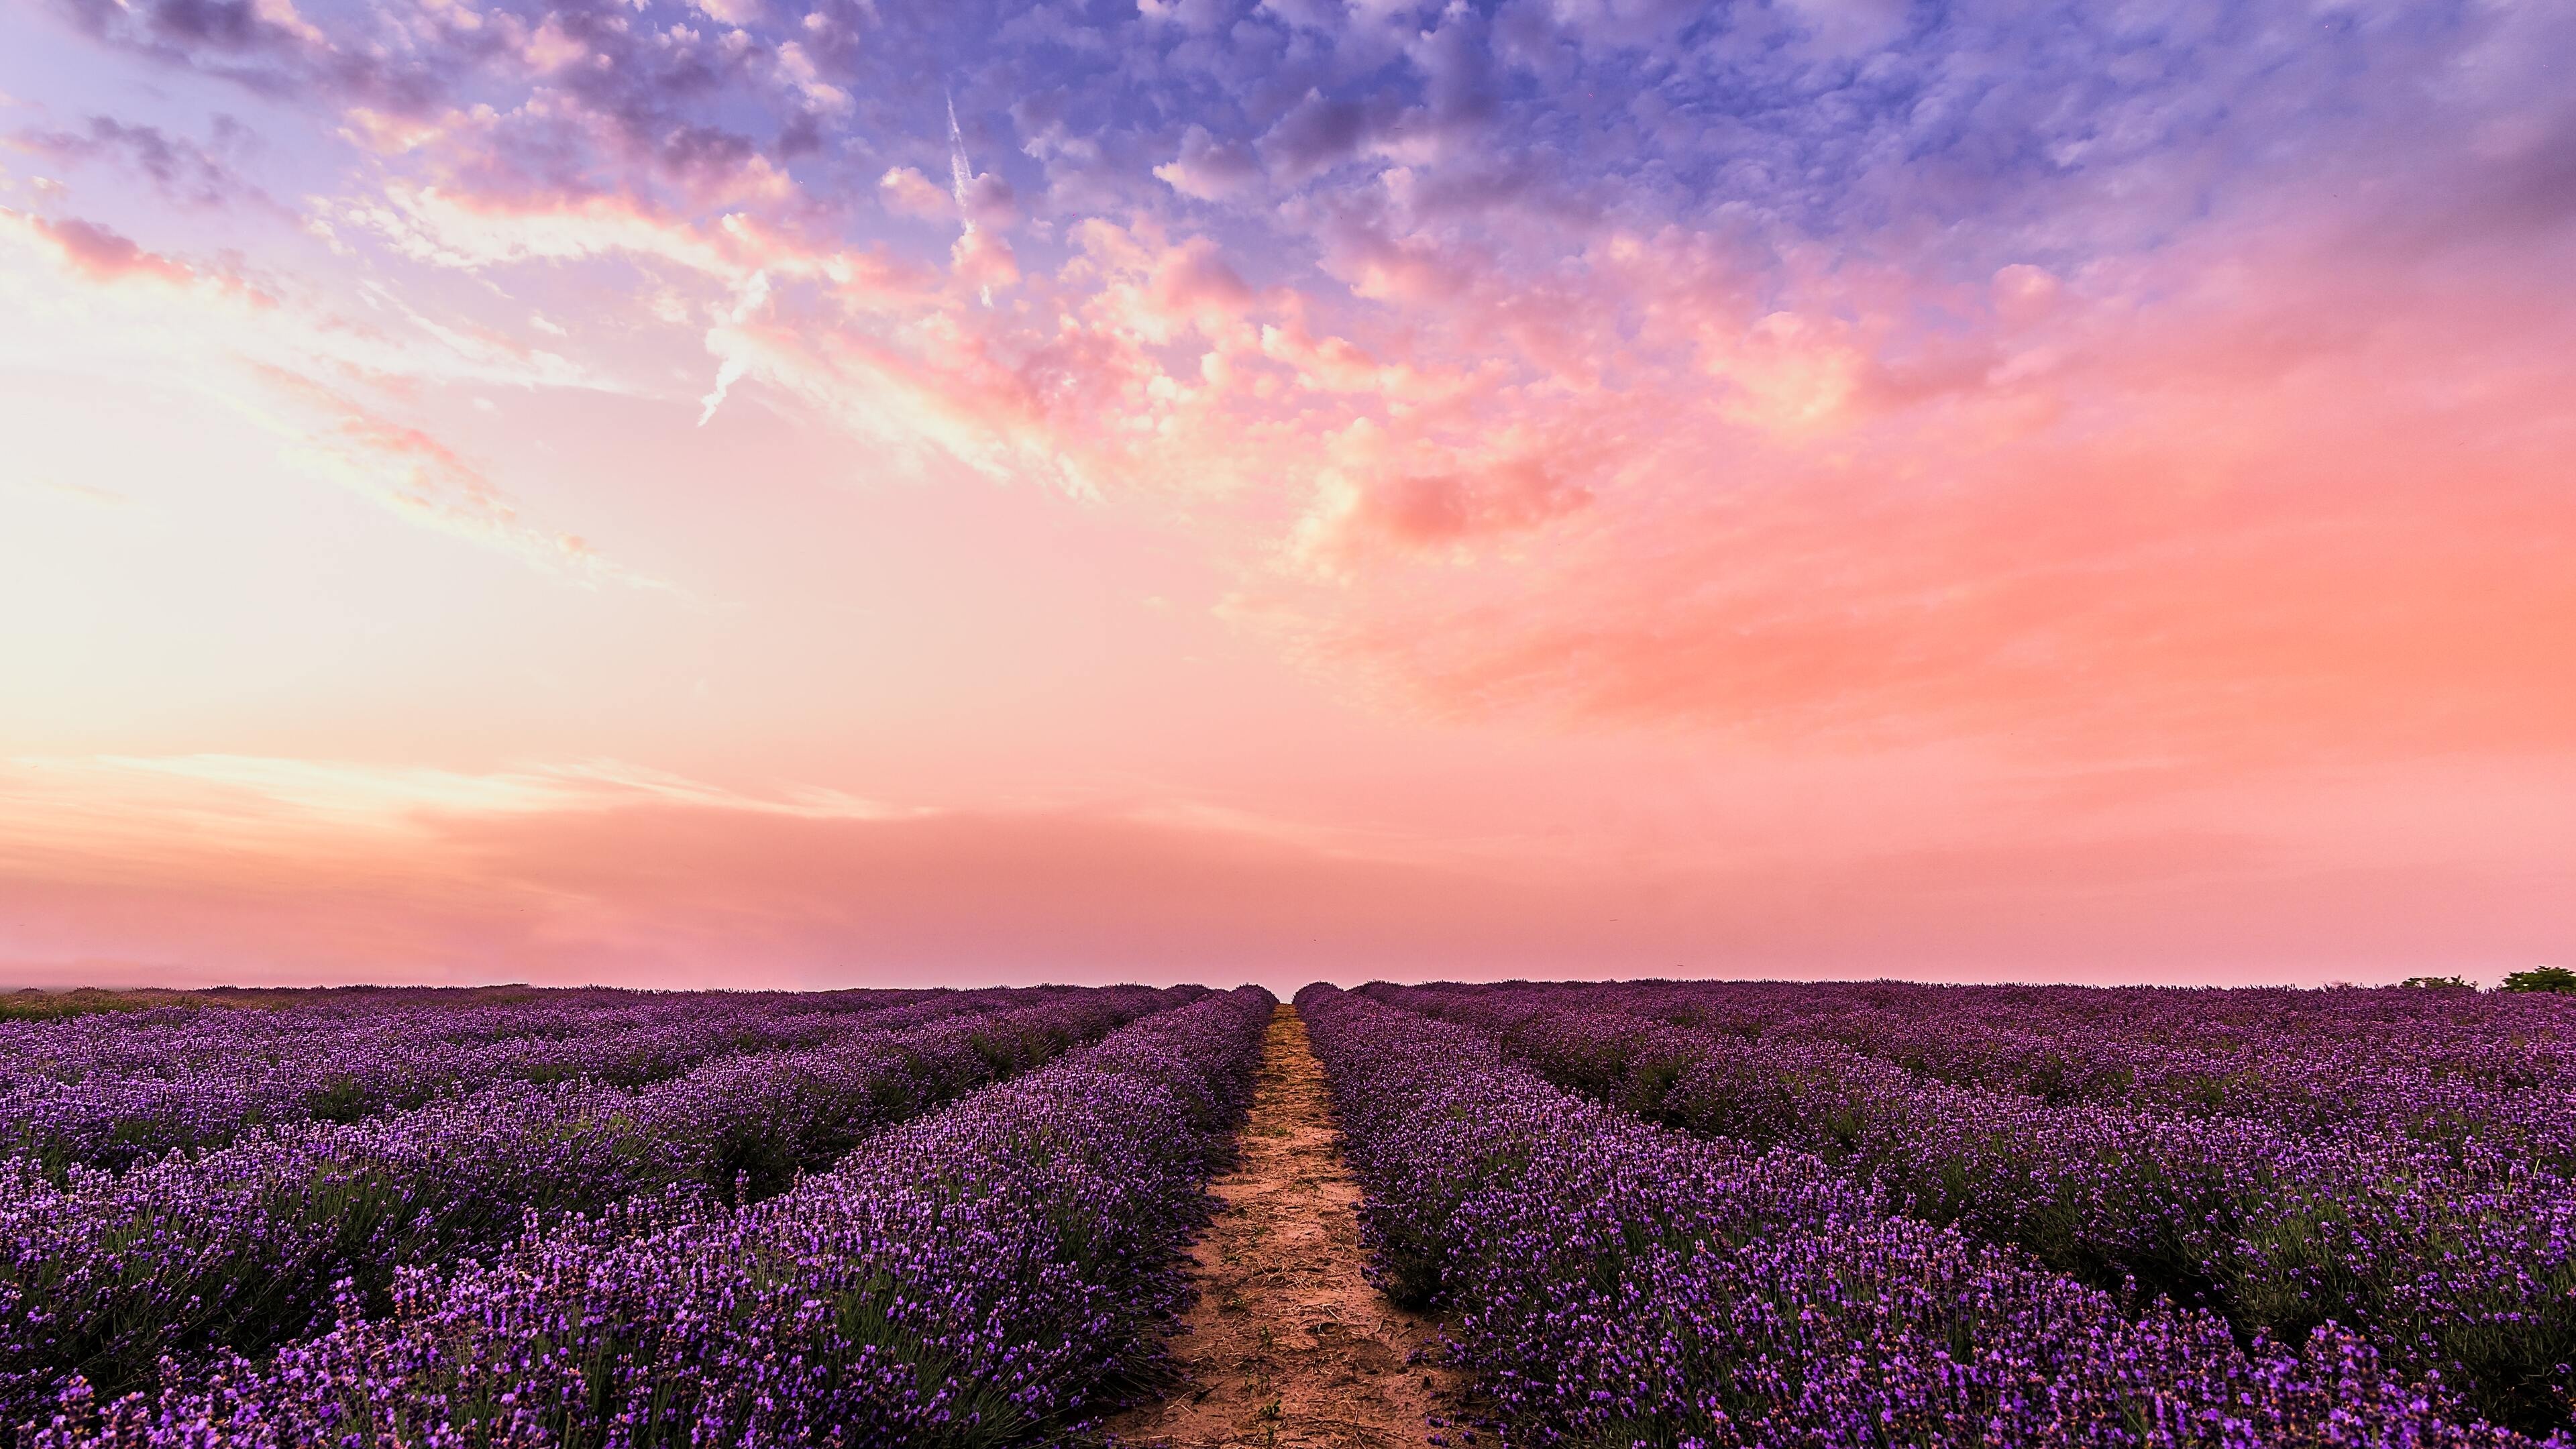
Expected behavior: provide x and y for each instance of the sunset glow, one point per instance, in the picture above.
(863, 491)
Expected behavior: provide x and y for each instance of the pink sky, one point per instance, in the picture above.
(763, 493)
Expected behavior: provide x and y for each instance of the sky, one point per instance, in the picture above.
(821, 492)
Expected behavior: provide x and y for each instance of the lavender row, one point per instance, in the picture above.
(2441, 1065)
(2460, 1260)
(173, 1042)
(108, 1092)
(1617, 1283)
(238, 1249)
(1001, 1271)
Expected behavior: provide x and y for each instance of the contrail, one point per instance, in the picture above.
(960, 172)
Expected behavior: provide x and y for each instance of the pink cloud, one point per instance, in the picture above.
(104, 255)
(984, 261)
(2208, 525)
(1706, 493)
(100, 256)
(425, 479)
(1209, 169)
(907, 192)
(1420, 509)
(459, 878)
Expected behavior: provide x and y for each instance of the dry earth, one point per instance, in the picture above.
(1288, 1344)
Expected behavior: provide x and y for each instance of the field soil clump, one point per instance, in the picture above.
(1288, 1344)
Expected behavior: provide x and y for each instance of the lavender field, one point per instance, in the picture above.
(1678, 1214)
(906, 1217)
(1759, 1213)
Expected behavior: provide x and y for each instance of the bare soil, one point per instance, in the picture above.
(1288, 1344)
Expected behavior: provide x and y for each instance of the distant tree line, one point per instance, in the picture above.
(2539, 978)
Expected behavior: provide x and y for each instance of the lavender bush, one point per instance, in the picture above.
(999, 1271)
(2493, 1066)
(239, 1248)
(1619, 1283)
(109, 1091)
(2456, 1257)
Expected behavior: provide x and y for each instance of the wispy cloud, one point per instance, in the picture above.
(82, 493)
(291, 368)
(182, 170)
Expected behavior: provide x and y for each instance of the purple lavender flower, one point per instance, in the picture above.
(1001, 1269)
(1618, 1282)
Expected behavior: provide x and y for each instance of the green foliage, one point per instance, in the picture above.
(2543, 978)
(2437, 983)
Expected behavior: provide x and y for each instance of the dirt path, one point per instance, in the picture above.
(1289, 1345)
